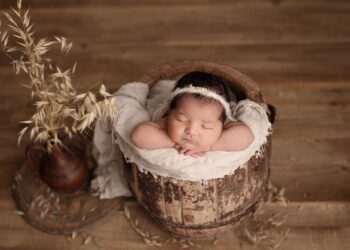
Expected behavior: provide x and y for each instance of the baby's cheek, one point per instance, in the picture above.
(212, 138)
(174, 133)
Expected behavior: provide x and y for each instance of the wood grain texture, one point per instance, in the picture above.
(154, 3)
(312, 225)
(221, 24)
(296, 51)
(55, 212)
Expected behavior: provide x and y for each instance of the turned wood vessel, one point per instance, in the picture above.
(65, 169)
(203, 209)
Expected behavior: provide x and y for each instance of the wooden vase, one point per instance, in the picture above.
(64, 169)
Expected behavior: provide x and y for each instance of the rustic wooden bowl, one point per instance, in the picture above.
(203, 209)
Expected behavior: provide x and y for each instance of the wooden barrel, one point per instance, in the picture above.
(203, 209)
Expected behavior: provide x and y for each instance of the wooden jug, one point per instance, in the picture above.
(65, 169)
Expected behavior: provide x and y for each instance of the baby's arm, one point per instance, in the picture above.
(235, 136)
(151, 135)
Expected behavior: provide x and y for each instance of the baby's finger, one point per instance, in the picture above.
(199, 153)
(182, 151)
(191, 153)
(179, 149)
(187, 152)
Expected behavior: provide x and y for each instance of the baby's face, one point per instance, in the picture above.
(195, 125)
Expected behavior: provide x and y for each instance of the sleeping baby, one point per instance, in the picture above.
(198, 120)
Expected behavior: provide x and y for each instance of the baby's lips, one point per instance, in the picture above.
(193, 142)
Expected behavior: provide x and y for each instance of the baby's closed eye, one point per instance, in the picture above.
(205, 126)
(181, 118)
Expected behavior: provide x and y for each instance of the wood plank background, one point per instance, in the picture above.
(298, 53)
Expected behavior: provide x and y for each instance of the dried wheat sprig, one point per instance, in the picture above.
(86, 239)
(256, 230)
(149, 239)
(60, 109)
(279, 242)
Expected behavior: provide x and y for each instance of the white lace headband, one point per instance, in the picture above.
(204, 92)
(194, 90)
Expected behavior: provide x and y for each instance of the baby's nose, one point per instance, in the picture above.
(191, 130)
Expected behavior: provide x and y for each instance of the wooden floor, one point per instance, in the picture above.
(297, 51)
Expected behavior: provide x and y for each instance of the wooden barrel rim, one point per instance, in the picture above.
(244, 82)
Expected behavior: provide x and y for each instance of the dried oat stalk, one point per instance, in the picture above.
(147, 237)
(60, 109)
(263, 232)
(277, 195)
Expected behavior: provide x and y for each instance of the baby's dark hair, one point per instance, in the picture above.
(206, 80)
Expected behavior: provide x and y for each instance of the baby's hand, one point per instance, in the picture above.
(189, 152)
